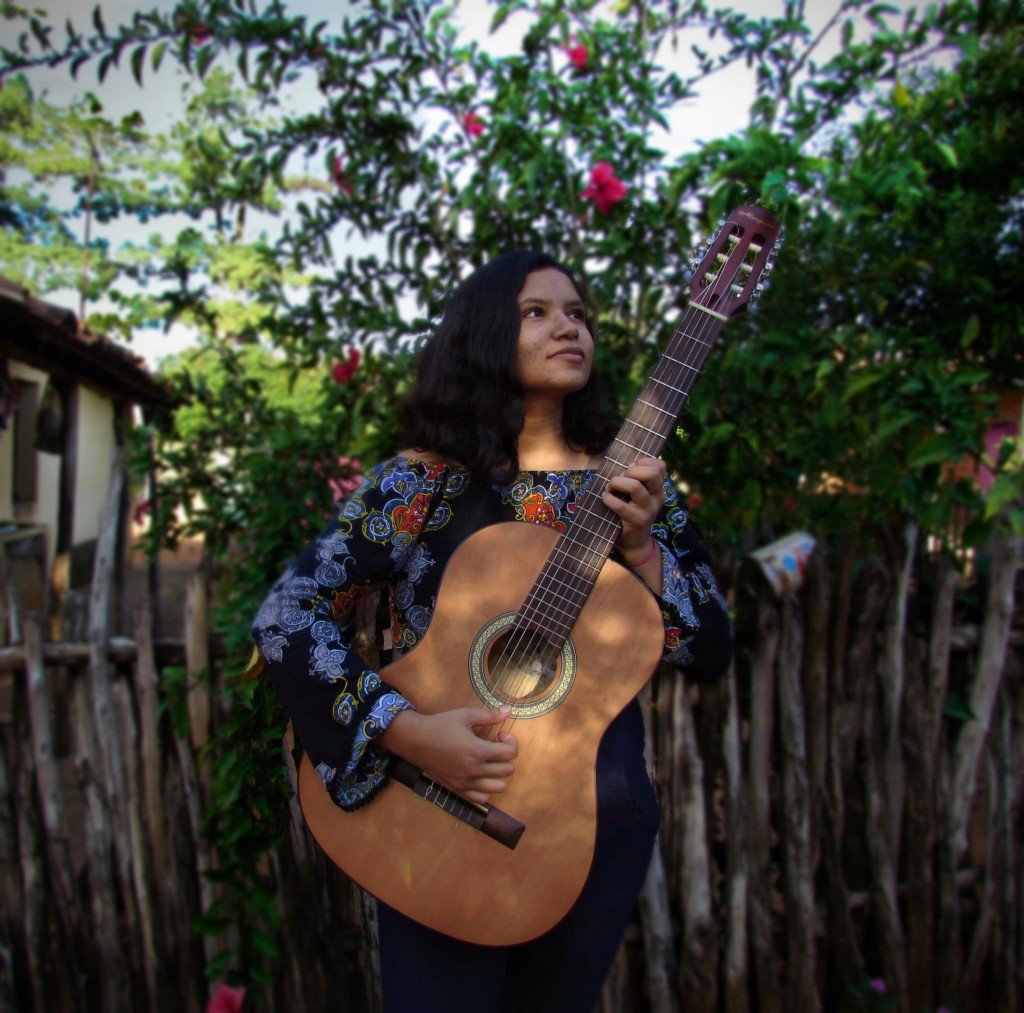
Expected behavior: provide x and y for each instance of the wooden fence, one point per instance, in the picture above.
(841, 826)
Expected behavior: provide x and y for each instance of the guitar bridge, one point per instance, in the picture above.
(488, 819)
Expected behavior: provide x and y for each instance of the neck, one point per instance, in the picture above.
(542, 445)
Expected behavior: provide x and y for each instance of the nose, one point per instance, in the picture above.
(567, 327)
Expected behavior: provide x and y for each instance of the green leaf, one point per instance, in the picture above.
(861, 382)
(158, 54)
(138, 61)
(956, 707)
(1007, 488)
(935, 450)
(971, 331)
(265, 944)
(949, 153)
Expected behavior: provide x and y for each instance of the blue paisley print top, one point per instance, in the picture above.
(398, 530)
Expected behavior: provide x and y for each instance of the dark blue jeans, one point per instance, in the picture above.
(563, 970)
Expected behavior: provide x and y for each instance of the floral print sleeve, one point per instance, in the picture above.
(337, 703)
(698, 631)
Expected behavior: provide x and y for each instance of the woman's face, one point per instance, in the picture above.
(556, 350)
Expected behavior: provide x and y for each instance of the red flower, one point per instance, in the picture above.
(578, 55)
(142, 509)
(344, 371)
(789, 504)
(473, 124)
(696, 501)
(198, 33)
(605, 190)
(226, 999)
(339, 177)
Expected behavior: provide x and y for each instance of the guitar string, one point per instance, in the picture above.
(545, 597)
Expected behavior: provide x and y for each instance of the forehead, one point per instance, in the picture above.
(548, 285)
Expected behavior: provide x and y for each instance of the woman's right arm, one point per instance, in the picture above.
(338, 704)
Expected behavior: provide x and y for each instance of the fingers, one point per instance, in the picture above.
(638, 494)
(481, 716)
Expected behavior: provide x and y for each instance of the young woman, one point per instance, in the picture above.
(506, 423)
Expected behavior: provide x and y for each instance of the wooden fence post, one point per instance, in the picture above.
(925, 691)
(795, 820)
(150, 754)
(111, 982)
(655, 908)
(737, 868)
(109, 749)
(698, 958)
(51, 807)
(892, 679)
(762, 709)
(1004, 556)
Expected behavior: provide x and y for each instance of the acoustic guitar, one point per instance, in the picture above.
(548, 624)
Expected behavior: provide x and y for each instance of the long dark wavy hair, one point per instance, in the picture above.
(467, 402)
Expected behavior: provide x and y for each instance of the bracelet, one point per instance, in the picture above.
(655, 549)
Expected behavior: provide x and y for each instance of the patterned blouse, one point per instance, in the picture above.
(398, 530)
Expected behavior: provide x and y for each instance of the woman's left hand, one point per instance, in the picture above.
(636, 496)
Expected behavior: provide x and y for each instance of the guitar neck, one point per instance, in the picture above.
(722, 285)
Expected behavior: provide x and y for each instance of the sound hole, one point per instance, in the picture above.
(521, 667)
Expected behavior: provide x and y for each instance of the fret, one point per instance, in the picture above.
(710, 312)
(639, 450)
(647, 429)
(684, 365)
(660, 410)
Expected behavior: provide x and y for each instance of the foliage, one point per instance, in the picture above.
(885, 138)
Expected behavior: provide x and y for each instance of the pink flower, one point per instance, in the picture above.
(199, 34)
(142, 509)
(226, 999)
(578, 55)
(473, 124)
(696, 501)
(879, 985)
(344, 371)
(339, 177)
(605, 190)
(344, 485)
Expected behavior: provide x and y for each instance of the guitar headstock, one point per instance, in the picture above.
(727, 276)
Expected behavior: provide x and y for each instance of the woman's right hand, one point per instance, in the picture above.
(447, 748)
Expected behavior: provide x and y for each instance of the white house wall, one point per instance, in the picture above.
(95, 452)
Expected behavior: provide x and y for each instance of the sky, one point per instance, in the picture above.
(722, 110)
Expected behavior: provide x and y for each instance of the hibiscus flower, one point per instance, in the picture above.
(473, 124)
(605, 190)
(578, 55)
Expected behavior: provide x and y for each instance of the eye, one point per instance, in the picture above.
(532, 311)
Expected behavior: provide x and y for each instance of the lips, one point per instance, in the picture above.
(569, 353)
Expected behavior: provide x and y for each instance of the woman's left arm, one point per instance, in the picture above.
(662, 546)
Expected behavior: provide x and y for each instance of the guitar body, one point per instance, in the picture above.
(443, 872)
